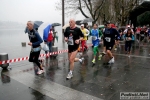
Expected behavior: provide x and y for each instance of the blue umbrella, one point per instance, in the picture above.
(46, 32)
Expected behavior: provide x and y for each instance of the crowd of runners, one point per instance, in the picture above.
(76, 37)
(109, 36)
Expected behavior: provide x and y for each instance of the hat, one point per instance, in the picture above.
(128, 26)
(82, 24)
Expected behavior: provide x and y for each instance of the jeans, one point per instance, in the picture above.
(49, 44)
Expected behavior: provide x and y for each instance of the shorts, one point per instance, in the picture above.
(72, 48)
(109, 46)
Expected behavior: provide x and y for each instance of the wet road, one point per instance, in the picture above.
(98, 82)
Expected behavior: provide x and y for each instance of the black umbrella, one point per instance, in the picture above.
(55, 24)
(37, 24)
(78, 22)
(87, 20)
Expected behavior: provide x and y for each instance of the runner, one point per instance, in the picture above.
(138, 30)
(83, 41)
(148, 34)
(128, 41)
(109, 40)
(104, 48)
(35, 41)
(142, 35)
(95, 42)
(73, 36)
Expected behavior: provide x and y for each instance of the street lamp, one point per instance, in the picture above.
(63, 19)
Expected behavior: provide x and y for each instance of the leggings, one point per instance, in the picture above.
(34, 57)
(95, 50)
(83, 44)
(128, 45)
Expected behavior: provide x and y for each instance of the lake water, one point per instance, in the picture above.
(10, 42)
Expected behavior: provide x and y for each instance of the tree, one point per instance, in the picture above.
(88, 8)
(144, 18)
(117, 11)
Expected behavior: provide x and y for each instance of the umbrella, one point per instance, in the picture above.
(36, 25)
(87, 20)
(46, 32)
(101, 26)
(56, 24)
(78, 22)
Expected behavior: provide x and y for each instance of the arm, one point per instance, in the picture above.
(132, 37)
(66, 34)
(117, 34)
(39, 40)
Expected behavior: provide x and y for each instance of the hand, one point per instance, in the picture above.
(66, 39)
(129, 38)
(30, 43)
(45, 43)
(77, 41)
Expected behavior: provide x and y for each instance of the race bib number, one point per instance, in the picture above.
(142, 34)
(127, 38)
(94, 38)
(108, 39)
(70, 40)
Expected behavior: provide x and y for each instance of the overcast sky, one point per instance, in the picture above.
(24, 10)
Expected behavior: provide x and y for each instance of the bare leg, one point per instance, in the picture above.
(72, 59)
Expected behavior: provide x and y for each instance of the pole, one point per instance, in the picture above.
(63, 20)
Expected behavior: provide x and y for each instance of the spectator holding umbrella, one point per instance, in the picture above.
(48, 38)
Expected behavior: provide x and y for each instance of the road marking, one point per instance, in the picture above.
(49, 88)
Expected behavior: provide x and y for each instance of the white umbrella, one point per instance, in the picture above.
(87, 20)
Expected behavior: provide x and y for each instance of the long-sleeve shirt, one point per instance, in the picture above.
(128, 36)
(85, 33)
(35, 38)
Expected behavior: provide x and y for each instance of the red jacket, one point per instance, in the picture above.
(50, 37)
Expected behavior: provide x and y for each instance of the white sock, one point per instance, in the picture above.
(70, 72)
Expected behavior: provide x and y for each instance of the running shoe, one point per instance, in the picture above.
(103, 53)
(40, 72)
(69, 76)
(93, 61)
(99, 57)
(112, 60)
(81, 60)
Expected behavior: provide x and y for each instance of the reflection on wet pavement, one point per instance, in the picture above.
(102, 81)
